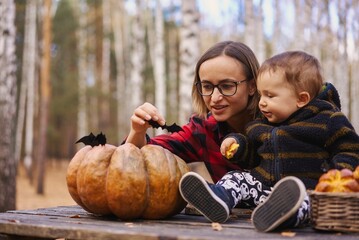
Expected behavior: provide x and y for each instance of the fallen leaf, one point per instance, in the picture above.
(216, 226)
(288, 234)
(14, 221)
(129, 224)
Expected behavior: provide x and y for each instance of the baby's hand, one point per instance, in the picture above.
(229, 147)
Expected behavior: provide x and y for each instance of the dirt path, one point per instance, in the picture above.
(56, 193)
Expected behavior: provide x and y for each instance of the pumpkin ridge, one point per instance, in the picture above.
(93, 181)
(126, 186)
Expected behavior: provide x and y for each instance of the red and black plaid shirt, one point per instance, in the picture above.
(199, 142)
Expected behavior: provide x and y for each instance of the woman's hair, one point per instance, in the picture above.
(301, 70)
(243, 54)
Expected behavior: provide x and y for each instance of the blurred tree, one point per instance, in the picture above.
(277, 33)
(82, 120)
(189, 54)
(8, 90)
(137, 56)
(353, 69)
(27, 89)
(118, 20)
(172, 40)
(62, 129)
(159, 62)
(45, 93)
(105, 84)
(342, 81)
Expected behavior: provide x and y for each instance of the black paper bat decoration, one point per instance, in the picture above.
(171, 128)
(99, 139)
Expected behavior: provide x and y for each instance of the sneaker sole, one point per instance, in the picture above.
(195, 190)
(285, 199)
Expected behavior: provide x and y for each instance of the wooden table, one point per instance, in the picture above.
(72, 222)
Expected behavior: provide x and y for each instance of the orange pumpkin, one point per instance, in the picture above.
(127, 181)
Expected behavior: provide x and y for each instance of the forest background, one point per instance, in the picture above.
(71, 67)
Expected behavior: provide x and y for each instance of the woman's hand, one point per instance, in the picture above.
(141, 116)
(139, 123)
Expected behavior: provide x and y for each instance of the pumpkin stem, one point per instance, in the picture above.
(92, 140)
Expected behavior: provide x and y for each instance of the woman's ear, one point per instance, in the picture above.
(252, 87)
(303, 99)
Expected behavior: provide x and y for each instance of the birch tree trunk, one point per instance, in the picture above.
(354, 66)
(172, 36)
(189, 54)
(82, 122)
(159, 63)
(299, 43)
(328, 47)
(260, 48)
(342, 71)
(276, 45)
(45, 93)
(317, 34)
(254, 34)
(249, 22)
(137, 56)
(30, 78)
(105, 73)
(321, 31)
(118, 25)
(7, 106)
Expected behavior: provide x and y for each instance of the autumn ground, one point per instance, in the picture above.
(56, 193)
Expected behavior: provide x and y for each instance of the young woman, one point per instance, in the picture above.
(224, 98)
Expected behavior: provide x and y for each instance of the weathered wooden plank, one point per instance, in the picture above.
(72, 222)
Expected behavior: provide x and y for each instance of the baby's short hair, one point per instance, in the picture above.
(301, 70)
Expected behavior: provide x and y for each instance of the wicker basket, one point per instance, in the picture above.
(335, 211)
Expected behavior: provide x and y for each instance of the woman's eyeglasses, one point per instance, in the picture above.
(226, 88)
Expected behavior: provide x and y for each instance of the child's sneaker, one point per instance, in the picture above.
(213, 201)
(284, 201)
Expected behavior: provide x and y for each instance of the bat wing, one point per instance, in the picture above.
(93, 140)
(87, 140)
(171, 128)
(174, 128)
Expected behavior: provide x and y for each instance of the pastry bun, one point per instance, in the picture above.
(339, 181)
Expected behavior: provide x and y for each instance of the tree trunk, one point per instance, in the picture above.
(342, 69)
(172, 59)
(172, 73)
(189, 54)
(30, 79)
(82, 122)
(354, 66)
(159, 63)
(276, 46)
(260, 48)
(250, 29)
(300, 20)
(7, 106)
(118, 25)
(137, 56)
(45, 93)
(105, 69)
